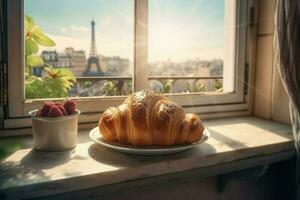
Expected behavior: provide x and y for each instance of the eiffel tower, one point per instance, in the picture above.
(93, 59)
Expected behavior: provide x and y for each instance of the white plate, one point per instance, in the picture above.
(151, 150)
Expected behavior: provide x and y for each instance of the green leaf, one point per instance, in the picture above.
(40, 38)
(36, 89)
(29, 24)
(67, 74)
(30, 47)
(49, 68)
(35, 61)
(8, 147)
(30, 79)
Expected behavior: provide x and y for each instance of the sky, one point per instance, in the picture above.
(178, 29)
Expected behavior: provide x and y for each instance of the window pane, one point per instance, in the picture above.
(90, 40)
(186, 40)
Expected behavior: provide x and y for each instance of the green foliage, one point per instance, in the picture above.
(110, 88)
(194, 87)
(34, 36)
(39, 37)
(86, 84)
(57, 82)
(31, 47)
(8, 147)
(166, 86)
(218, 85)
(34, 61)
(128, 84)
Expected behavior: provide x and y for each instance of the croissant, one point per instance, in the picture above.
(149, 118)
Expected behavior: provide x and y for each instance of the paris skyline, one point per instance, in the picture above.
(175, 31)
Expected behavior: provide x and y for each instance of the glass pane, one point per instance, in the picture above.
(186, 45)
(78, 47)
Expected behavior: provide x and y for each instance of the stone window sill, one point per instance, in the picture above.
(235, 144)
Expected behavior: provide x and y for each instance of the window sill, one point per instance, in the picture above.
(235, 144)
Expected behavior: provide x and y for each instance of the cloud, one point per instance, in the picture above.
(64, 30)
(79, 28)
(109, 46)
(64, 41)
(184, 53)
(105, 45)
(106, 21)
(74, 28)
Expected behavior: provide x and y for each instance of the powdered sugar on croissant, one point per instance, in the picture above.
(149, 118)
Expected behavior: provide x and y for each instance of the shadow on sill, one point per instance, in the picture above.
(120, 160)
(46, 160)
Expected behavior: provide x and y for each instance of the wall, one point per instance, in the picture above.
(271, 100)
(276, 183)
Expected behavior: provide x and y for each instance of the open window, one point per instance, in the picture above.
(193, 51)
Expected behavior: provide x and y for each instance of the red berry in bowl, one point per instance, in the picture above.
(44, 111)
(70, 106)
(38, 113)
(55, 112)
(62, 109)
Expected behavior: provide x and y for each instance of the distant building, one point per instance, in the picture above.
(78, 60)
(50, 58)
(216, 68)
(70, 58)
(56, 60)
(115, 66)
(64, 60)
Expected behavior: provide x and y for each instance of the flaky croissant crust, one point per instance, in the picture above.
(149, 118)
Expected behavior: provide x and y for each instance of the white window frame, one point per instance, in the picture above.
(91, 106)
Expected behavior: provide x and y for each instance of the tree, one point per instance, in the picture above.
(166, 86)
(218, 85)
(196, 87)
(110, 88)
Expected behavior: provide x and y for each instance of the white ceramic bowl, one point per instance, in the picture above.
(54, 133)
(147, 150)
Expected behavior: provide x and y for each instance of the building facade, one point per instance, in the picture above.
(75, 60)
(78, 60)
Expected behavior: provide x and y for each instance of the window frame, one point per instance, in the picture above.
(209, 103)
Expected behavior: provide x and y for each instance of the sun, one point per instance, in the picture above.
(167, 39)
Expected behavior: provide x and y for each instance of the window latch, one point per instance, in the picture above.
(252, 16)
(3, 81)
(246, 78)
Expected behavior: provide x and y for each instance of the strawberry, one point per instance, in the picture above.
(55, 112)
(70, 106)
(62, 109)
(38, 113)
(44, 111)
